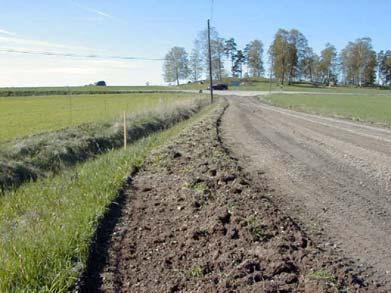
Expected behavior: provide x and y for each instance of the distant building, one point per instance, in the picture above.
(100, 83)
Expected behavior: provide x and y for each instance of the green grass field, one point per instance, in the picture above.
(22, 116)
(31, 91)
(263, 84)
(46, 226)
(370, 108)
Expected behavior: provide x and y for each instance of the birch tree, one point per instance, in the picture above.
(254, 53)
(195, 63)
(176, 65)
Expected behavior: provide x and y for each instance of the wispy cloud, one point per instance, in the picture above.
(93, 10)
(10, 41)
(5, 32)
(100, 12)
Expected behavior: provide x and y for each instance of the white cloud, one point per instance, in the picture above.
(8, 33)
(29, 44)
(22, 70)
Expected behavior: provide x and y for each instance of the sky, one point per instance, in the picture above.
(149, 28)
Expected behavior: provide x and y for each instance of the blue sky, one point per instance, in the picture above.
(149, 28)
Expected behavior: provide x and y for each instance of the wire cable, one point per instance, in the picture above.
(92, 56)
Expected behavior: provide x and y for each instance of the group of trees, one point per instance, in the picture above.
(357, 64)
(178, 65)
(291, 60)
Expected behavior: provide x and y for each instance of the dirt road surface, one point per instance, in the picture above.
(334, 176)
(190, 220)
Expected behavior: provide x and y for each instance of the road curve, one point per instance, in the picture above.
(332, 175)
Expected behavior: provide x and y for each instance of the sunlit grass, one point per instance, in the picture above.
(356, 107)
(22, 116)
(46, 226)
(263, 84)
(37, 91)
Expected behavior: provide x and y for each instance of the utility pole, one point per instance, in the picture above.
(270, 78)
(210, 66)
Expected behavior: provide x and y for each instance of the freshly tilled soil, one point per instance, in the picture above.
(193, 221)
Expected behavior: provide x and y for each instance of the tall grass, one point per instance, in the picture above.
(45, 154)
(46, 227)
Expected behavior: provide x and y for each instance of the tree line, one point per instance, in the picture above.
(290, 57)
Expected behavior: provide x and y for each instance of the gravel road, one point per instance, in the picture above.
(190, 220)
(334, 176)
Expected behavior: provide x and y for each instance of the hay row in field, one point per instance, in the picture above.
(25, 93)
(44, 154)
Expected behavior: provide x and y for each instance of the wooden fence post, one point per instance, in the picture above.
(125, 131)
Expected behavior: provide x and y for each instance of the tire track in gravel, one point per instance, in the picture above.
(334, 176)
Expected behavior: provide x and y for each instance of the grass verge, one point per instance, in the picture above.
(366, 108)
(46, 154)
(46, 227)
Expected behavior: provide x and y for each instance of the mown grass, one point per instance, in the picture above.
(356, 107)
(22, 116)
(46, 226)
(263, 84)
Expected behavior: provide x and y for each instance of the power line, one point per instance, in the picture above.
(211, 10)
(92, 56)
(210, 65)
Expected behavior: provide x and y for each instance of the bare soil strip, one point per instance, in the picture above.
(193, 221)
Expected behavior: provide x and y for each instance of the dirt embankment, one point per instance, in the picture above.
(192, 221)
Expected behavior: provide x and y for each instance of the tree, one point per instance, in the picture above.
(370, 69)
(195, 63)
(297, 46)
(358, 61)
(385, 67)
(176, 65)
(327, 64)
(230, 50)
(278, 53)
(217, 57)
(217, 51)
(310, 65)
(287, 53)
(380, 57)
(237, 69)
(348, 64)
(253, 55)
